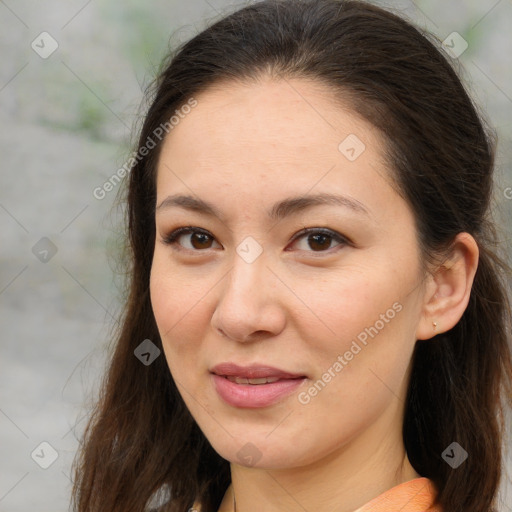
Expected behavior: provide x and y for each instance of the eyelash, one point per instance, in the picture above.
(171, 238)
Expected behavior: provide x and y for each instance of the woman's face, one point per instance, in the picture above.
(338, 306)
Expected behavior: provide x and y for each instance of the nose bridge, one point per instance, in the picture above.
(246, 304)
(247, 277)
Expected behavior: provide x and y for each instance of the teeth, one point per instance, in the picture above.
(243, 380)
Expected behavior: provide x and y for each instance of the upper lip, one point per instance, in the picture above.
(253, 371)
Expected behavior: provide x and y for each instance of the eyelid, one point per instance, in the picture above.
(325, 231)
(172, 237)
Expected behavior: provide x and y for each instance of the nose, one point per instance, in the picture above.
(249, 306)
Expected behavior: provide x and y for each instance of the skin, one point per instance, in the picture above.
(296, 307)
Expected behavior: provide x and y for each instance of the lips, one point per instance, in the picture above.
(255, 372)
(254, 386)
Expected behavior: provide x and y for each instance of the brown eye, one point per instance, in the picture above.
(200, 241)
(319, 240)
(313, 240)
(195, 239)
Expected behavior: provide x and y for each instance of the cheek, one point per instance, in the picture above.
(367, 318)
(343, 304)
(178, 303)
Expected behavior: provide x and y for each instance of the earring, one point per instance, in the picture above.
(434, 324)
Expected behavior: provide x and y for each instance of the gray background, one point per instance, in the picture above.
(66, 122)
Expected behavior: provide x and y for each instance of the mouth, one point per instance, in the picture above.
(253, 386)
(244, 380)
(253, 374)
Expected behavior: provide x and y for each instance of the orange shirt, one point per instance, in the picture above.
(416, 495)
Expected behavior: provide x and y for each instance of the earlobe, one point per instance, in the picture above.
(447, 294)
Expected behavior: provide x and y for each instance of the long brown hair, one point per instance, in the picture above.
(141, 437)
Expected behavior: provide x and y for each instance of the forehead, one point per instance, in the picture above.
(267, 138)
(284, 118)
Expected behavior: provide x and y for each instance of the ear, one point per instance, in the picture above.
(448, 288)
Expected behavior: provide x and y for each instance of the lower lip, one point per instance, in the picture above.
(254, 395)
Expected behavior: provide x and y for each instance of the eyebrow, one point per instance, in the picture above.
(285, 208)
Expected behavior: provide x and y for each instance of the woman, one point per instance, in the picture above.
(316, 317)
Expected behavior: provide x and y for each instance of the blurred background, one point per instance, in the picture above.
(72, 76)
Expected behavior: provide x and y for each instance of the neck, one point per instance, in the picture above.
(342, 481)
